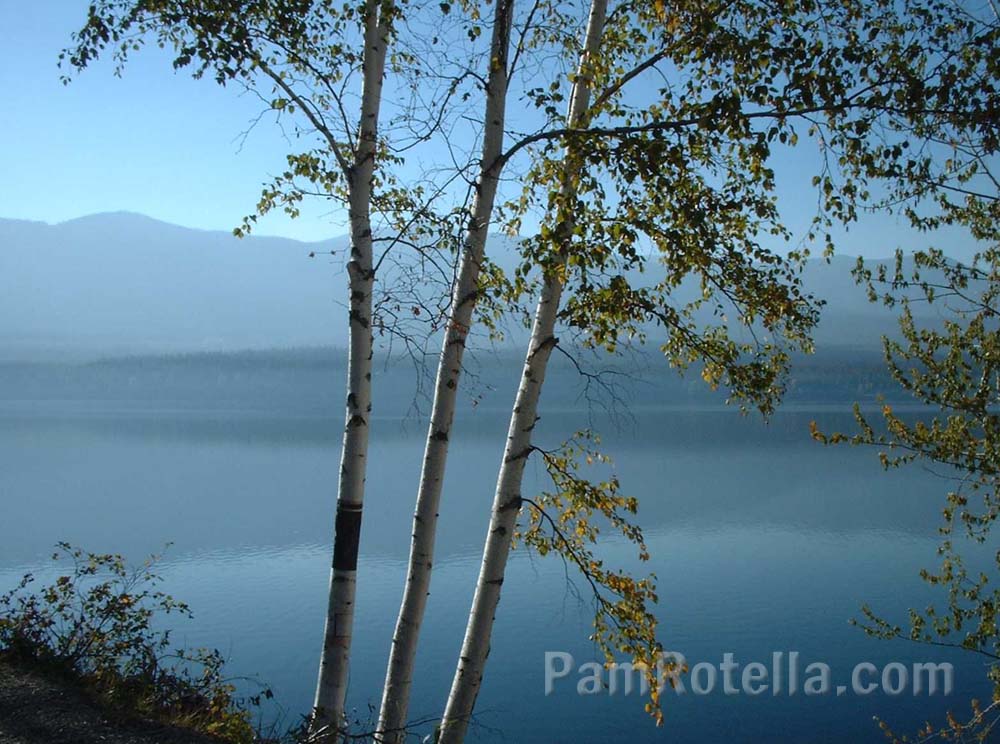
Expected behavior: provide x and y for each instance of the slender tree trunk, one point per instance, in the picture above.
(331, 688)
(507, 500)
(399, 673)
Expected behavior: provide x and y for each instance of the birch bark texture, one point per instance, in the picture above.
(507, 498)
(334, 667)
(399, 672)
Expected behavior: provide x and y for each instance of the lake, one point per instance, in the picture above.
(762, 540)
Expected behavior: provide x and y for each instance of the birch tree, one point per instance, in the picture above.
(399, 674)
(689, 176)
(331, 688)
(476, 644)
(300, 56)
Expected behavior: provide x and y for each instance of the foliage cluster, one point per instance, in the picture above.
(955, 371)
(567, 521)
(96, 626)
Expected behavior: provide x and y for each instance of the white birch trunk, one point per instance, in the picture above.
(507, 499)
(331, 687)
(399, 673)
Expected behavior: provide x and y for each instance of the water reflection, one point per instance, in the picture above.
(762, 541)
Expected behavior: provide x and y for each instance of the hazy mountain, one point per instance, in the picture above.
(123, 283)
(126, 283)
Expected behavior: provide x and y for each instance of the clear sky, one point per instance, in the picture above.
(161, 144)
(153, 141)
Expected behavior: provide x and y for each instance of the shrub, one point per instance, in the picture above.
(95, 624)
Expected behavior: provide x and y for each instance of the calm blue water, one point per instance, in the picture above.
(762, 540)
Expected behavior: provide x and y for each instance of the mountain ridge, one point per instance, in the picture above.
(115, 283)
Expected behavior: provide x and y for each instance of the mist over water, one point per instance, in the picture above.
(762, 541)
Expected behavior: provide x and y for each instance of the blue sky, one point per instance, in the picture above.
(161, 144)
(153, 141)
